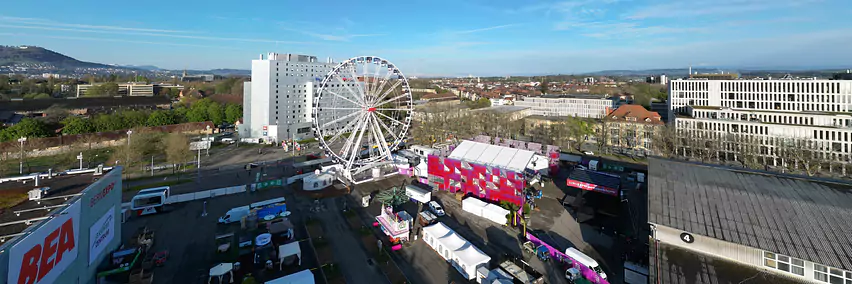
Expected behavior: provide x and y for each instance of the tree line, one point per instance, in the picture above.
(782, 154)
(198, 111)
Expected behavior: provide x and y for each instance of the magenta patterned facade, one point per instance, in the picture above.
(482, 181)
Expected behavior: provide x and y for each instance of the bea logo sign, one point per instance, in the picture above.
(45, 253)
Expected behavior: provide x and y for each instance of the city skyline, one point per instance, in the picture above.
(471, 37)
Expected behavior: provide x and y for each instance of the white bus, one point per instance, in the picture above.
(150, 200)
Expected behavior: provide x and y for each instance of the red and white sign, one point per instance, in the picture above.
(592, 187)
(103, 193)
(45, 253)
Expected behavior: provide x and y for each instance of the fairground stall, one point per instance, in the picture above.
(463, 255)
(396, 225)
(486, 171)
(599, 194)
(604, 183)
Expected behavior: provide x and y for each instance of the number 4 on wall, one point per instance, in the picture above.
(687, 238)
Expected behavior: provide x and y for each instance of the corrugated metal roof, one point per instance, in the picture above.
(797, 216)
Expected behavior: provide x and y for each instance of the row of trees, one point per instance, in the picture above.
(28, 87)
(786, 154)
(794, 155)
(440, 124)
(199, 111)
(103, 90)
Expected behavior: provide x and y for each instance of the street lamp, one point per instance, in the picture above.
(127, 154)
(208, 140)
(22, 140)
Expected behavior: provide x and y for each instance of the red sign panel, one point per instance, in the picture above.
(592, 187)
(45, 253)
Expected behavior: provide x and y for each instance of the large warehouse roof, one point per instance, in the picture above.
(492, 155)
(805, 218)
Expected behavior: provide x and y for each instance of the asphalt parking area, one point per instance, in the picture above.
(190, 239)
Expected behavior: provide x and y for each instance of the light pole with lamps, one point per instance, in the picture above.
(127, 155)
(22, 140)
(208, 140)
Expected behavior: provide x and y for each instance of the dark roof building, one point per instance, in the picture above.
(792, 226)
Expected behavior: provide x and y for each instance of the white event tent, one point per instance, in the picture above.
(301, 277)
(495, 213)
(459, 252)
(494, 156)
(473, 206)
(287, 250)
(488, 211)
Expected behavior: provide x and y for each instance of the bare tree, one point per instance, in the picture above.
(602, 134)
(664, 140)
(579, 131)
(800, 154)
(747, 151)
(177, 148)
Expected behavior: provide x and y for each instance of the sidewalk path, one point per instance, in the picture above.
(349, 252)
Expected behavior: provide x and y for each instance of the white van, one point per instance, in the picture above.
(237, 213)
(585, 260)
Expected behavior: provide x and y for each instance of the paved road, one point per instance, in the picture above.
(348, 251)
(213, 179)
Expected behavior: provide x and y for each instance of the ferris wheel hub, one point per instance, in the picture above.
(371, 109)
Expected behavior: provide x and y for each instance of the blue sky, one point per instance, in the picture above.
(444, 37)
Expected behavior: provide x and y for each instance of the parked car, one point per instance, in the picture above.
(589, 153)
(436, 208)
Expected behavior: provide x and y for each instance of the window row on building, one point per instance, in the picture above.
(825, 143)
(574, 107)
(783, 86)
(799, 267)
(790, 118)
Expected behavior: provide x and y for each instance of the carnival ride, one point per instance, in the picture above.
(362, 112)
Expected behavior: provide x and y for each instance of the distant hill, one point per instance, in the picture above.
(12, 55)
(143, 67)
(649, 72)
(229, 72)
(743, 71)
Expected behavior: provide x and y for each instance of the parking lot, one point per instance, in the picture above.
(190, 238)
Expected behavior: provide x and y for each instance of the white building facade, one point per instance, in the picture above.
(277, 101)
(768, 113)
(588, 106)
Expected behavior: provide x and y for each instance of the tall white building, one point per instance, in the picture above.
(589, 106)
(768, 112)
(277, 101)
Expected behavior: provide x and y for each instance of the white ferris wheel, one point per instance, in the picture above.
(361, 112)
